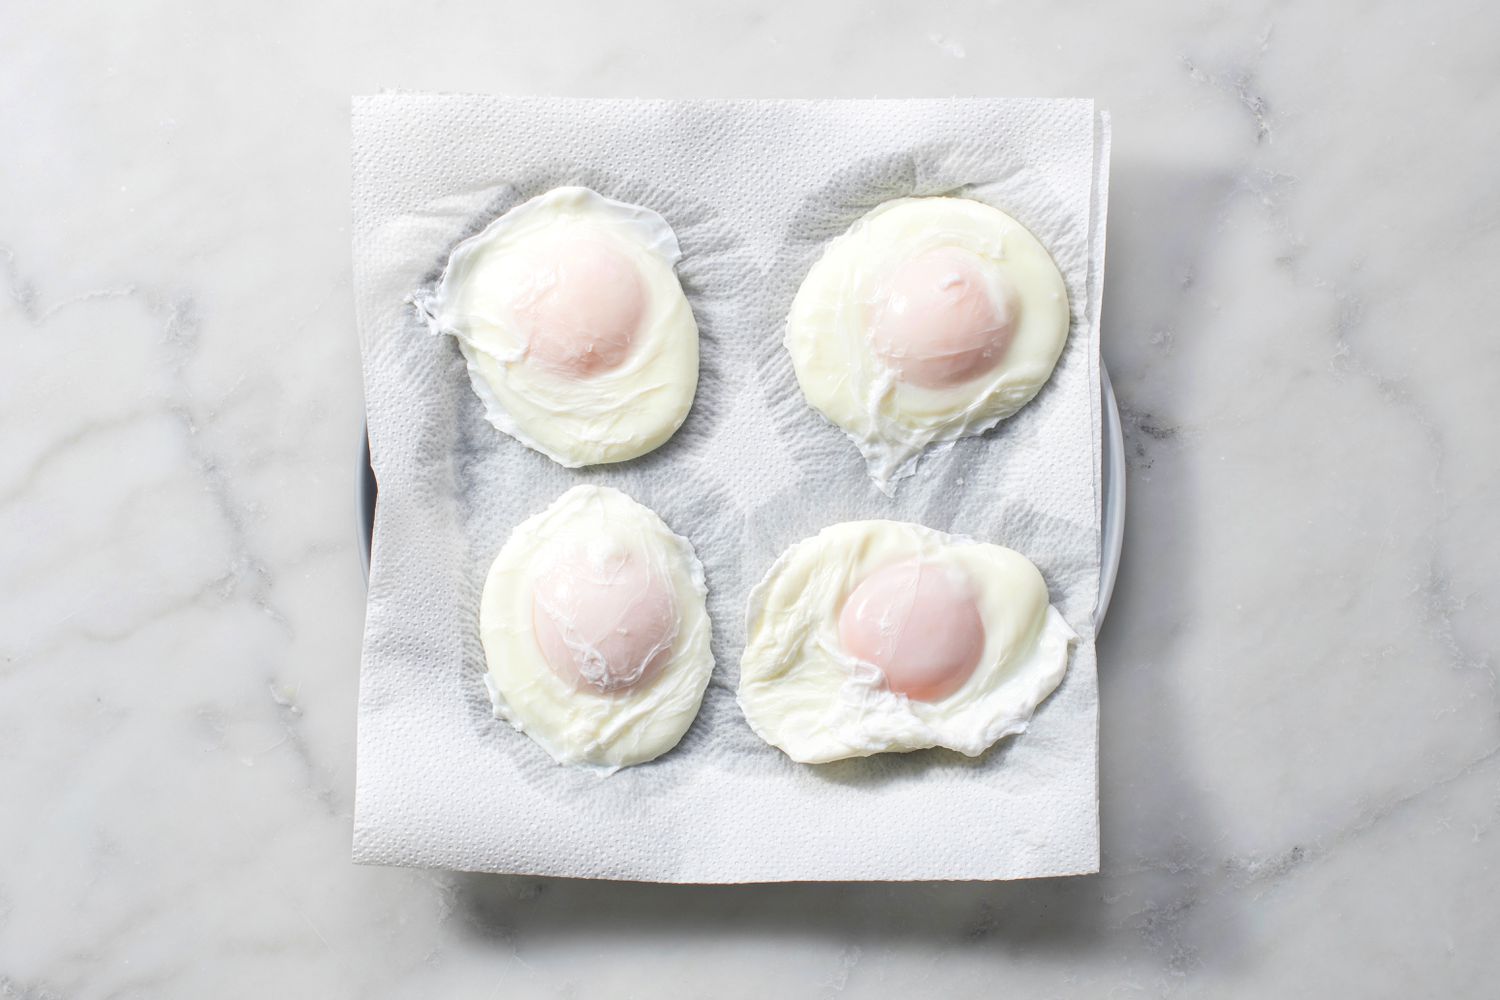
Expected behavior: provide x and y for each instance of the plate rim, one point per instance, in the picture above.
(1112, 499)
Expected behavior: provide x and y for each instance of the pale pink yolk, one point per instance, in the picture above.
(919, 624)
(938, 325)
(579, 301)
(603, 621)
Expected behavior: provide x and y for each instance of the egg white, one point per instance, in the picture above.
(802, 693)
(612, 416)
(828, 330)
(580, 724)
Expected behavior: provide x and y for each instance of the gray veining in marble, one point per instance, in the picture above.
(1301, 722)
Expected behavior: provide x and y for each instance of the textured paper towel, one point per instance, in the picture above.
(754, 189)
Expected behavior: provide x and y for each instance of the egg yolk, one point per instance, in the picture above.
(603, 620)
(919, 624)
(938, 325)
(579, 301)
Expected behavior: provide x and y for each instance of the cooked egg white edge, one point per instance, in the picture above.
(584, 726)
(894, 423)
(801, 693)
(612, 416)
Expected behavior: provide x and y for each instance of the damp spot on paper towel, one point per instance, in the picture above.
(949, 46)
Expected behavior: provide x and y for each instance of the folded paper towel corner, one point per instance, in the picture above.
(754, 190)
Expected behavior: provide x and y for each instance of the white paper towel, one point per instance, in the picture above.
(754, 189)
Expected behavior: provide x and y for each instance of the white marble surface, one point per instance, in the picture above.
(1301, 744)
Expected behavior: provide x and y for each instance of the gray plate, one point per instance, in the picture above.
(1112, 473)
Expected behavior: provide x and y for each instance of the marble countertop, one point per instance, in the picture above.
(1301, 744)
